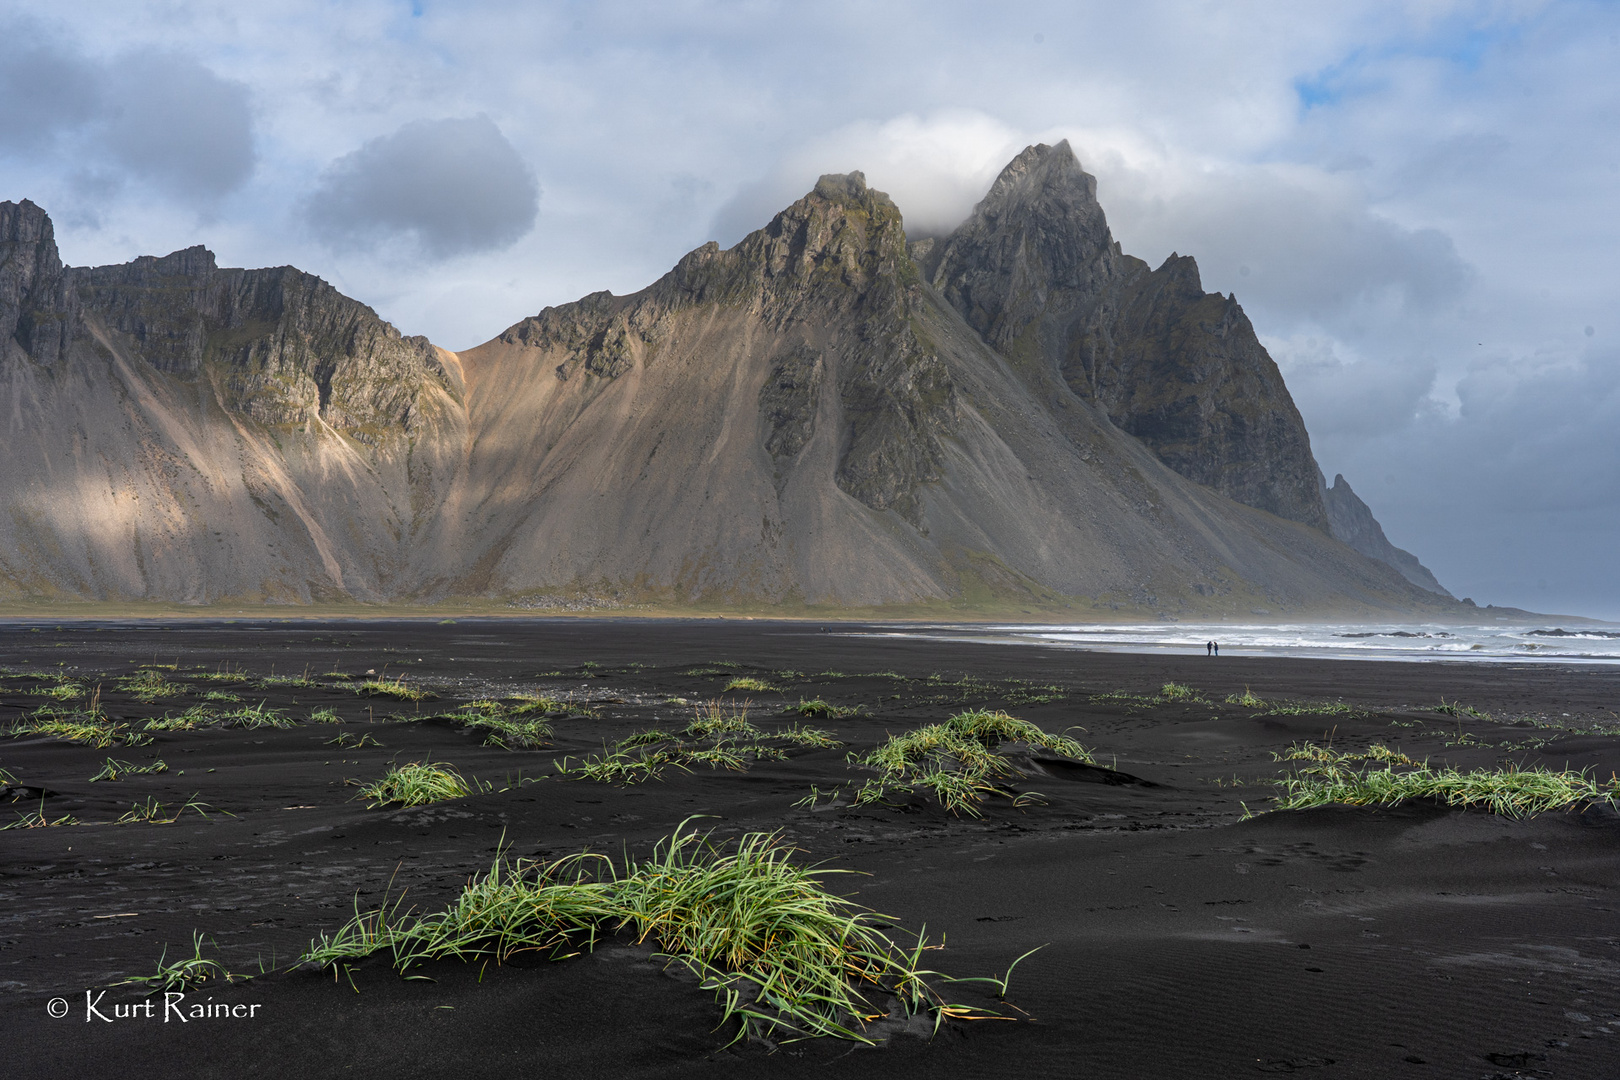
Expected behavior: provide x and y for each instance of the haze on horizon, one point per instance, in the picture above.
(1415, 203)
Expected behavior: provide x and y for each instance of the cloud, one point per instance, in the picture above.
(455, 186)
(146, 116)
(935, 167)
(172, 121)
(1298, 241)
(1352, 398)
(45, 89)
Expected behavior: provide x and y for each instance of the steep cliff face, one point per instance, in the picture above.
(175, 430)
(1036, 271)
(1353, 524)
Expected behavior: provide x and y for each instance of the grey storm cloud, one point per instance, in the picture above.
(1342, 398)
(176, 123)
(149, 115)
(45, 90)
(457, 186)
(1303, 249)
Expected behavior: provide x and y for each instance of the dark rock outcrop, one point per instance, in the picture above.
(284, 347)
(1353, 524)
(1036, 271)
(36, 309)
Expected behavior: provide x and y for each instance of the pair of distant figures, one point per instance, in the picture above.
(1212, 648)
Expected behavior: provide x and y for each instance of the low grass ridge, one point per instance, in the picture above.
(89, 726)
(395, 689)
(720, 735)
(1352, 779)
(786, 958)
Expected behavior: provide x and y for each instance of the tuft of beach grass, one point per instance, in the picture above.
(957, 761)
(417, 784)
(785, 957)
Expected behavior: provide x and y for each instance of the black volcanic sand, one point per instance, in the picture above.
(1181, 940)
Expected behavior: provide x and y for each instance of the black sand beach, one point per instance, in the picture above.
(1180, 939)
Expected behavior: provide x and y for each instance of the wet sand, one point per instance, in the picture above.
(1180, 939)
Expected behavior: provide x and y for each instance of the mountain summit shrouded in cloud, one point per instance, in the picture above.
(827, 413)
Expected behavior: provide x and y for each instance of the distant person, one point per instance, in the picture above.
(1216, 646)
(1209, 647)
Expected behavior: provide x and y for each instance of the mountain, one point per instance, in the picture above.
(824, 414)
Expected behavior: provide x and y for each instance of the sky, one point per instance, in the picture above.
(1417, 204)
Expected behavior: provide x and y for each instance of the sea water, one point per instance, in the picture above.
(1528, 643)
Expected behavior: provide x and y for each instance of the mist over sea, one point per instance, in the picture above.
(1527, 643)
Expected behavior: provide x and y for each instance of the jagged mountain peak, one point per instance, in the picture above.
(1042, 173)
(1037, 243)
(25, 222)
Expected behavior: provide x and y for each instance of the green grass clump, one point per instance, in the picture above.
(1327, 755)
(39, 819)
(325, 716)
(510, 733)
(957, 760)
(1174, 691)
(1308, 708)
(617, 767)
(117, 770)
(353, 742)
(64, 689)
(149, 686)
(417, 784)
(803, 736)
(541, 705)
(256, 716)
(224, 697)
(822, 710)
(221, 676)
(752, 685)
(511, 727)
(395, 688)
(713, 720)
(87, 727)
(1452, 708)
(187, 973)
(1247, 699)
(718, 736)
(785, 957)
(152, 812)
(1512, 792)
(195, 717)
(297, 682)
